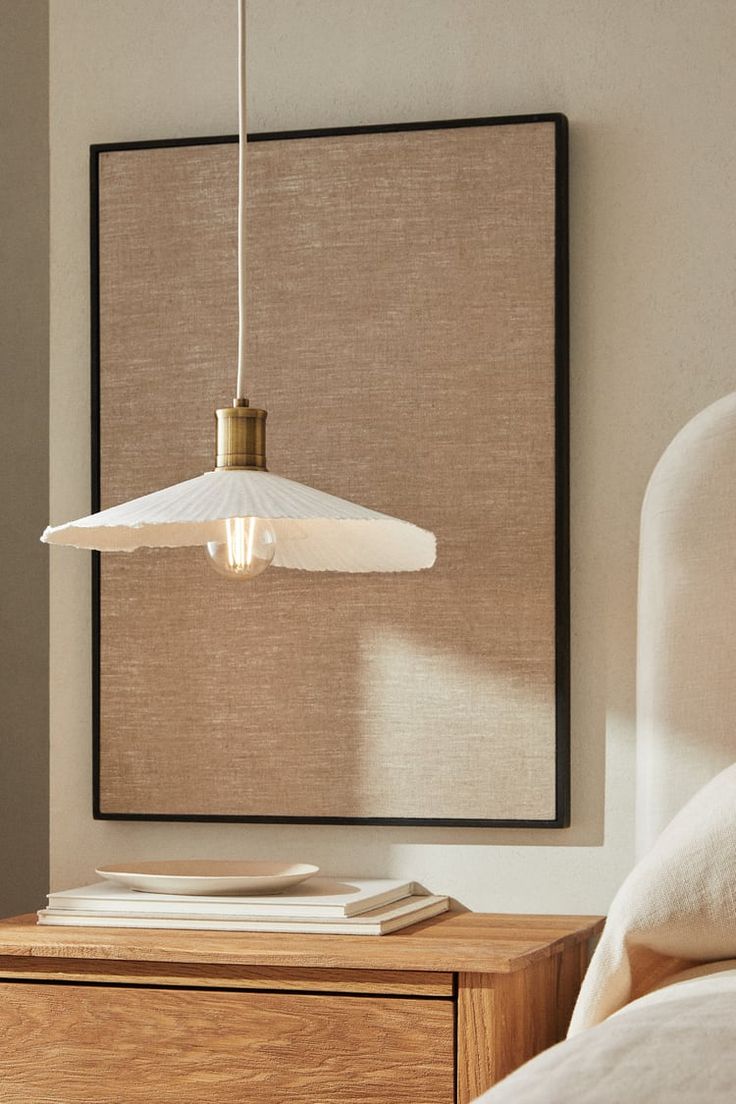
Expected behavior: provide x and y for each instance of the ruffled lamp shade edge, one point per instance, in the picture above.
(314, 531)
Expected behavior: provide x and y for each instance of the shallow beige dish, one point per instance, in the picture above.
(203, 877)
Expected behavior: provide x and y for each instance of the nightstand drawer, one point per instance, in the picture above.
(72, 1044)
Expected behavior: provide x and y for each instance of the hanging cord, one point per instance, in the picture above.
(242, 159)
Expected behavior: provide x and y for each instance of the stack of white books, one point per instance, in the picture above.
(339, 906)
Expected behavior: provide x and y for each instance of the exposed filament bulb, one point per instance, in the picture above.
(246, 551)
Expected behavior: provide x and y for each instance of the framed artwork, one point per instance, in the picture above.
(408, 336)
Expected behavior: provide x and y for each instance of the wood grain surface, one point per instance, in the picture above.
(505, 1019)
(67, 1044)
(204, 975)
(185, 1015)
(456, 942)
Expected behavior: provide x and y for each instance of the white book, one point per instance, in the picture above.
(378, 921)
(314, 899)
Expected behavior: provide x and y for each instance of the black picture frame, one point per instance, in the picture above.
(562, 505)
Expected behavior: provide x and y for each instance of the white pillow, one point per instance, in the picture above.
(676, 908)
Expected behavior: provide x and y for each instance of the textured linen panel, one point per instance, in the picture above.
(674, 1046)
(401, 337)
(676, 908)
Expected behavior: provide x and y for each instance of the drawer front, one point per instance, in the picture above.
(72, 1044)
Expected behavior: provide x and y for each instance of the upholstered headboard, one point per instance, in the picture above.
(686, 677)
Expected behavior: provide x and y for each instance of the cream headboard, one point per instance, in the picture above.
(686, 677)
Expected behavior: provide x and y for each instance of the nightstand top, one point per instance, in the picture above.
(457, 941)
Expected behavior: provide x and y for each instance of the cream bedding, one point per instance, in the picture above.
(677, 1045)
(656, 1016)
(677, 907)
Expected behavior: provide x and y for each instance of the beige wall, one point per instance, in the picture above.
(650, 90)
(24, 333)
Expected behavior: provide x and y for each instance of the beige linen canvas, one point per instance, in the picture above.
(402, 338)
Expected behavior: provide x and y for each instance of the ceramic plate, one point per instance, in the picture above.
(200, 877)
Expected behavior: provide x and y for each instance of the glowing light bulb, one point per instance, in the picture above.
(248, 548)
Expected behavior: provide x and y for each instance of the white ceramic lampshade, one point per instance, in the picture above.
(314, 531)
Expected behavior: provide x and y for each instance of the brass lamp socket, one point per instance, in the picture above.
(241, 438)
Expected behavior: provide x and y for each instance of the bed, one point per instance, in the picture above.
(674, 1045)
(656, 1016)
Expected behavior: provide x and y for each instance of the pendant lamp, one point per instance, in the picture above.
(246, 517)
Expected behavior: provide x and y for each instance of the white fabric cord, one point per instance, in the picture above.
(242, 184)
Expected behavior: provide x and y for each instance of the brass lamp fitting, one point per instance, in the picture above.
(241, 437)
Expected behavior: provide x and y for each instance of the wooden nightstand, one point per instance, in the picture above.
(431, 1015)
